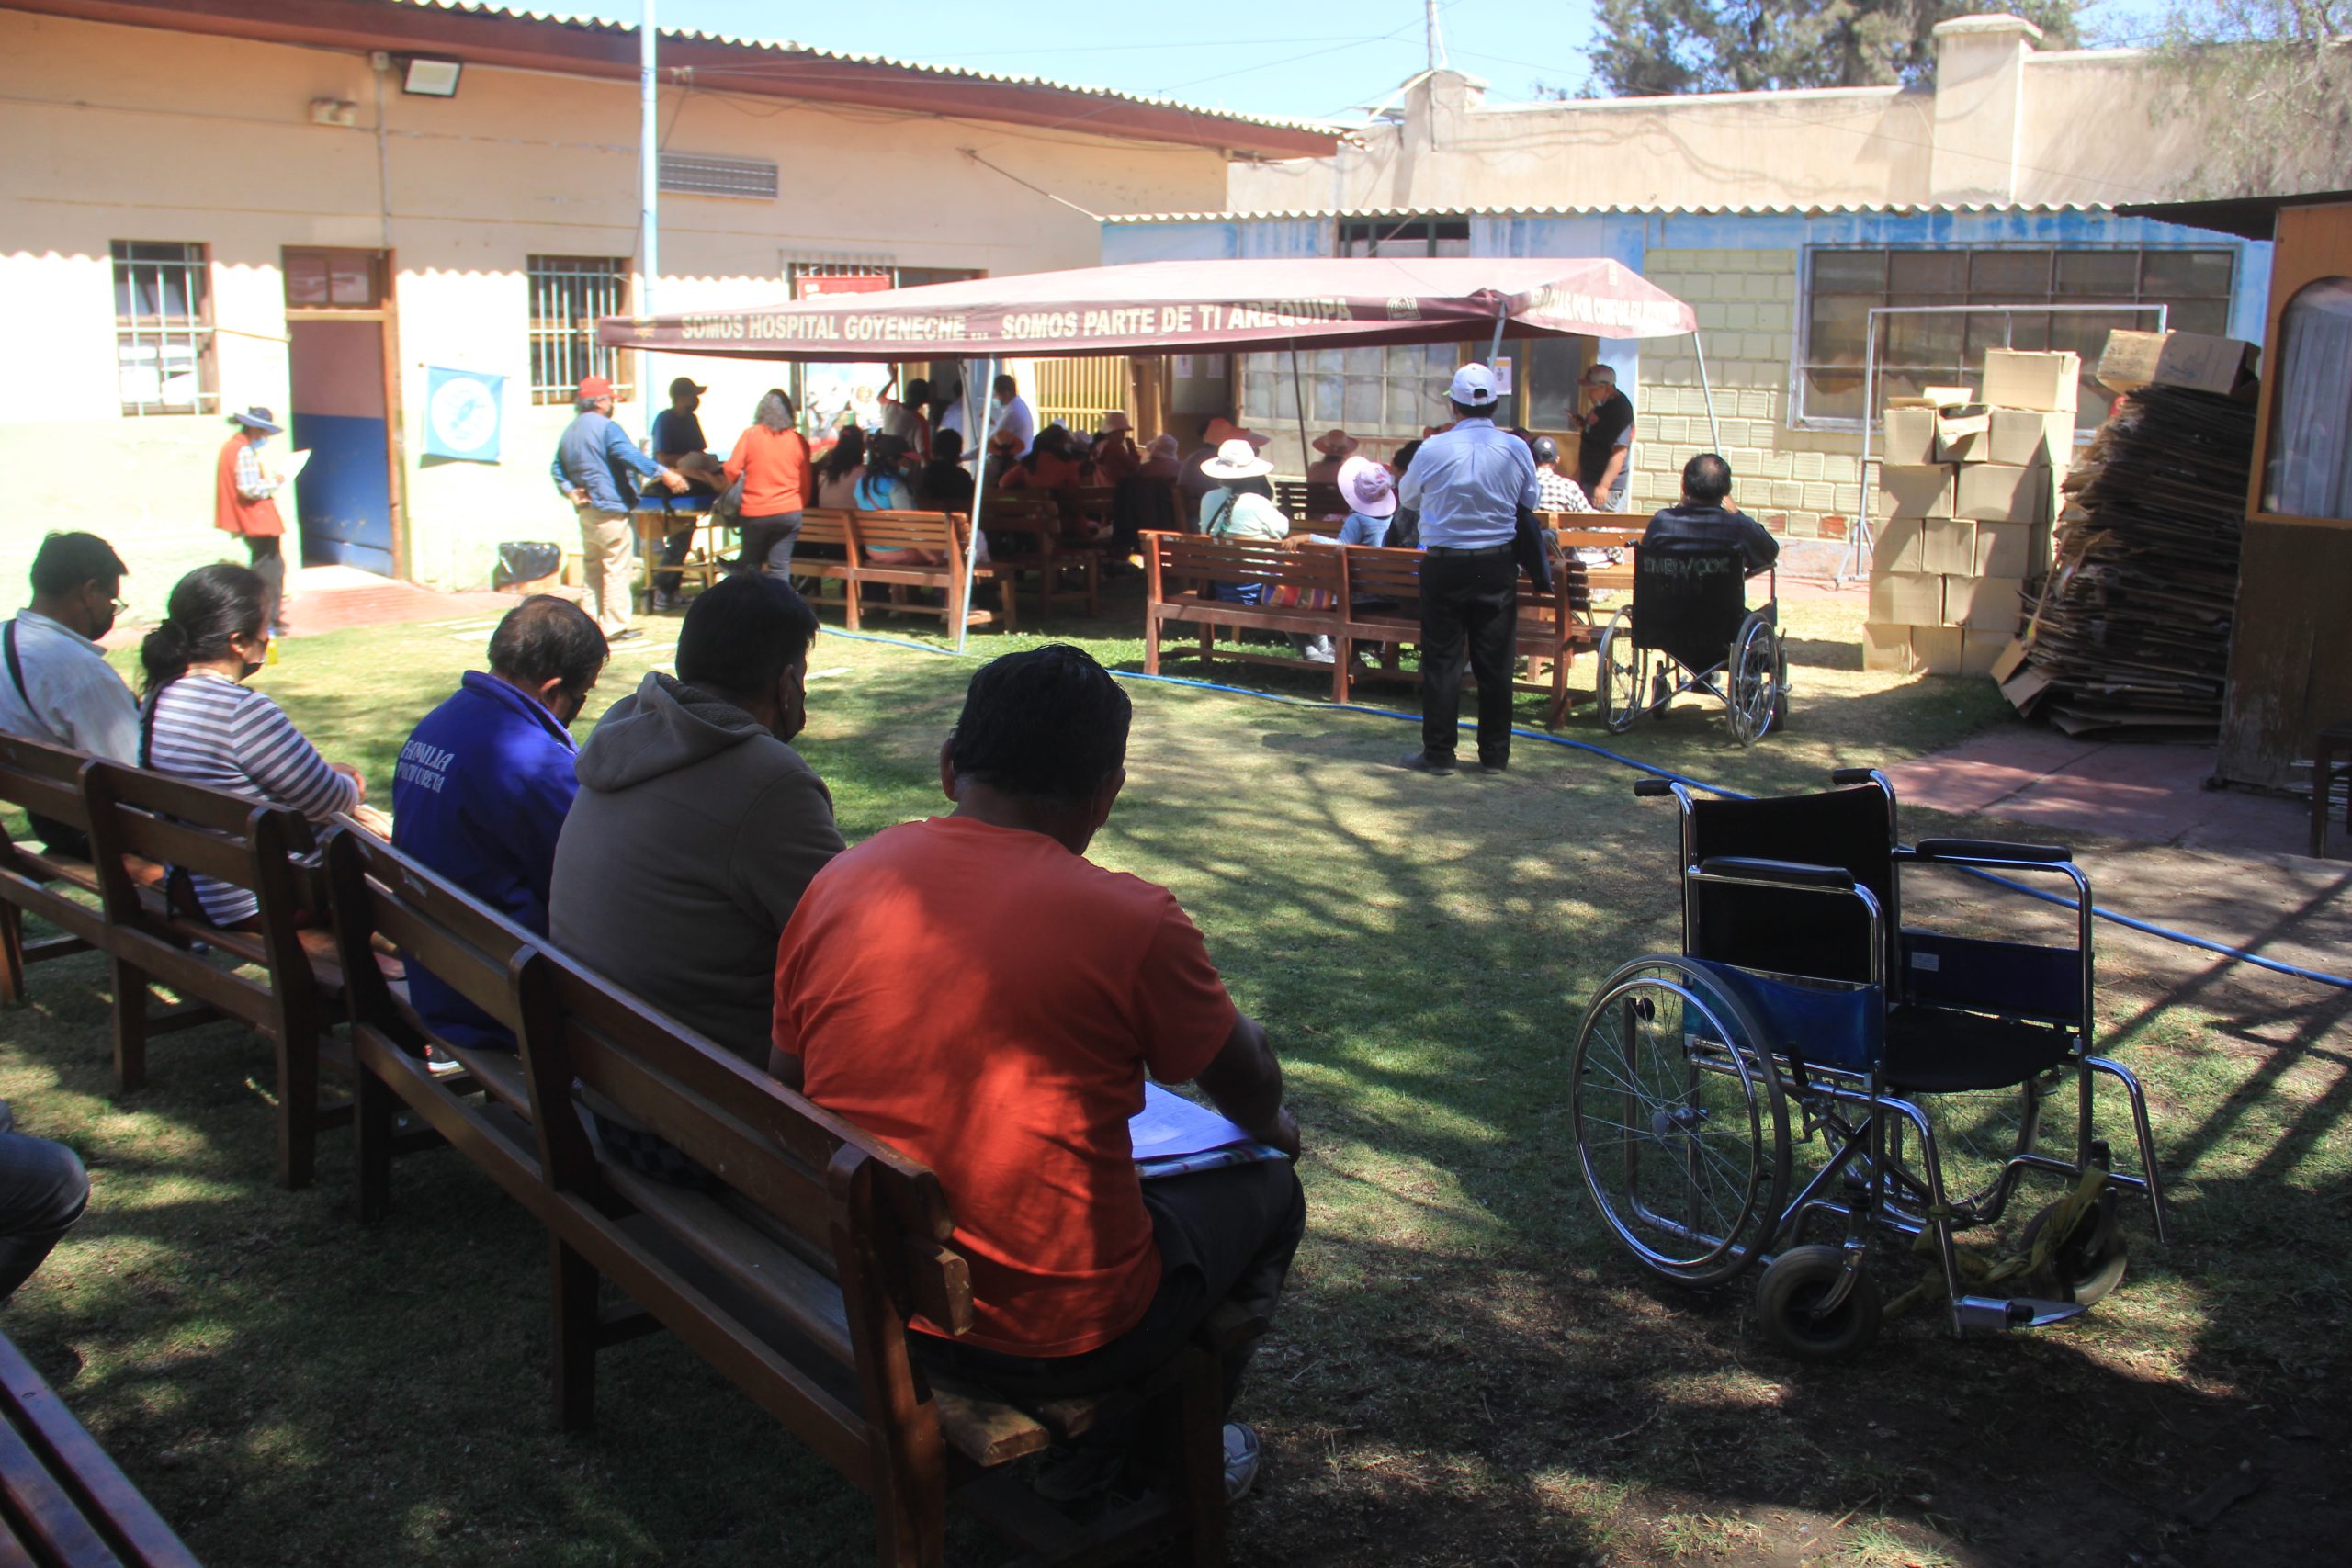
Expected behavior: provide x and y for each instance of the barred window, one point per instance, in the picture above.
(1416, 236)
(163, 328)
(1843, 284)
(568, 294)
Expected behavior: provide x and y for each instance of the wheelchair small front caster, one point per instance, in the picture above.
(1791, 1288)
(2090, 1262)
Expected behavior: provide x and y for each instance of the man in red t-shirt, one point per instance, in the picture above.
(973, 990)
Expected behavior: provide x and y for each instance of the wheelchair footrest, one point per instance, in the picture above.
(1992, 1315)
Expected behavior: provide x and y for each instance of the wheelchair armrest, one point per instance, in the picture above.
(1652, 787)
(1990, 849)
(1746, 868)
(1851, 775)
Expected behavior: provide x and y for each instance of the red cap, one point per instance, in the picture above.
(595, 387)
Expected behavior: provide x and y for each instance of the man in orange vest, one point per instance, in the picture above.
(241, 505)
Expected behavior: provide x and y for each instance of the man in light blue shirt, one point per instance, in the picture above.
(59, 687)
(594, 467)
(1468, 483)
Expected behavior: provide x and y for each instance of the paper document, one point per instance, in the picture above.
(1169, 1126)
(289, 465)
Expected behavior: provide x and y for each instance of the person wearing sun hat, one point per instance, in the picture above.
(1370, 495)
(244, 504)
(1337, 447)
(1468, 482)
(1191, 481)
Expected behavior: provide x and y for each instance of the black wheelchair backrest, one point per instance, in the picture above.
(1817, 935)
(1688, 605)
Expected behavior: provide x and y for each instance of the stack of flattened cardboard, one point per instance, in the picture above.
(2133, 633)
(1965, 498)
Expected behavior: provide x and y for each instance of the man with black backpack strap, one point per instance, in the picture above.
(60, 687)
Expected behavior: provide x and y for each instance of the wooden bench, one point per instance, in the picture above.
(1040, 533)
(1310, 502)
(797, 1281)
(1382, 607)
(1578, 530)
(940, 533)
(138, 818)
(1184, 570)
(44, 781)
(374, 891)
(63, 1503)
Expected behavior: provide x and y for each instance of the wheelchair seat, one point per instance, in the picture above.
(1932, 1050)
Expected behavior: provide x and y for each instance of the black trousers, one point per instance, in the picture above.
(767, 543)
(1223, 1232)
(1469, 607)
(269, 564)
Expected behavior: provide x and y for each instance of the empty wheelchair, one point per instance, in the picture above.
(1802, 1011)
(1689, 630)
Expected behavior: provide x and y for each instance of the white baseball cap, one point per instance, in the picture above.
(1474, 387)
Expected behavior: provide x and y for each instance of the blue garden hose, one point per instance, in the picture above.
(2148, 928)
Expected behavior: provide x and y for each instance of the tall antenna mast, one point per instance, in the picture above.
(1437, 37)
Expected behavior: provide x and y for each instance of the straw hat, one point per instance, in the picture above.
(1115, 421)
(1222, 430)
(1335, 444)
(1235, 459)
(1367, 488)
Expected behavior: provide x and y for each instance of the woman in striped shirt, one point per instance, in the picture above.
(200, 722)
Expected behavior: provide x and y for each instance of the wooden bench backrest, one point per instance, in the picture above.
(932, 531)
(807, 1170)
(44, 779)
(207, 832)
(1315, 499)
(823, 525)
(1380, 573)
(373, 888)
(72, 1503)
(1005, 508)
(1197, 559)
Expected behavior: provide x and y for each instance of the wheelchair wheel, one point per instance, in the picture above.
(1752, 680)
(1621, 674)
(1788, 1292)
(1681, 1128)
(2089, 1263)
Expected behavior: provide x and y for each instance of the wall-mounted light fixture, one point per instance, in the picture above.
(430, 78)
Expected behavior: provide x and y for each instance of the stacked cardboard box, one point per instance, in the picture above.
(1967, 490)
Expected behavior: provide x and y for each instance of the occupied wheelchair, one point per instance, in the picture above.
(1802, 1004)
(1689, 629)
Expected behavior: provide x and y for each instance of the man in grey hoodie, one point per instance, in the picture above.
(697, 827)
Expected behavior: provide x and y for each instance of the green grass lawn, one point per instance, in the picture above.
(1464, 1372)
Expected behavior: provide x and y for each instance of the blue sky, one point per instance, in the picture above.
(1298, 57)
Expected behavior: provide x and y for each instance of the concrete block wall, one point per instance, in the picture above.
(1803, 484)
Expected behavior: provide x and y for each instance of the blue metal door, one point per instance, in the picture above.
(343, 498)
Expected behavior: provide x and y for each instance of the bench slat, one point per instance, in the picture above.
(96, 1484)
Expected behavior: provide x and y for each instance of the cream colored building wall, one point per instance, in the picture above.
(1828, 148)
(2091, 130)
(120, 133)
(1803, 484)
(2006, 124)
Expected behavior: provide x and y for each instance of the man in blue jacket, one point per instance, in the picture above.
(596, 468)
(485, 782)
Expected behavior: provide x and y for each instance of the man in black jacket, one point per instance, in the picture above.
(1701, 524)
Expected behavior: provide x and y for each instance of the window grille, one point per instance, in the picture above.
(568, 294)
(163, 323)
(702, 174)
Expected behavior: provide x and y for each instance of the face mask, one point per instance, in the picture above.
(259, 440)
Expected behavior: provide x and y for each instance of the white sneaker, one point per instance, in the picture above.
(440, 1064)
(1241, 1451)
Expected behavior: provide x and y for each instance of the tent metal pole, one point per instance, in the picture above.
(1714, 436)
(1298, 406)
(979, 500)
(1495, 345)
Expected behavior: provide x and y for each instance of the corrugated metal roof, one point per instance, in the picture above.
(784, 46)
(1896, 209)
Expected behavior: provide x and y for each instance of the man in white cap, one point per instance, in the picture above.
(1468, 483)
